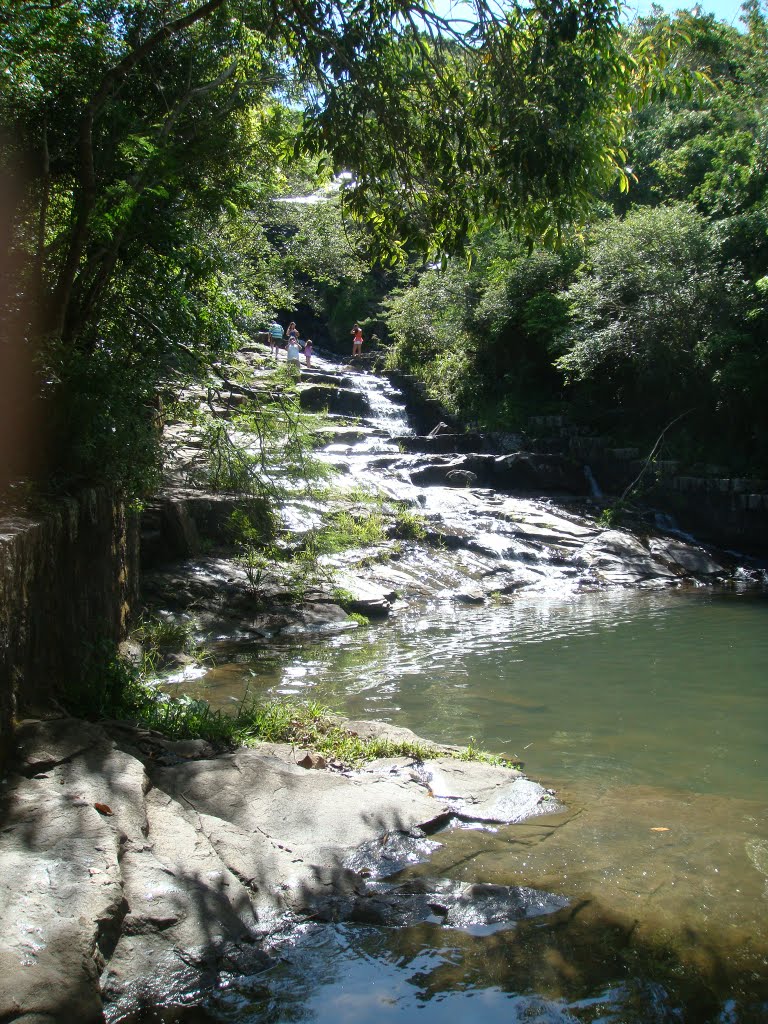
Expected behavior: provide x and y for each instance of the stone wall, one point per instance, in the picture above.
(729, 512)
(719, 510)
(68, 578)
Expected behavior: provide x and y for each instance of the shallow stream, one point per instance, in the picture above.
(646, 710)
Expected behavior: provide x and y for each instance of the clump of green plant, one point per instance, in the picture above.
(113, 688)
(361, 495)
(409, 524)
(305, 571)
(258, 564)
(312, 725)
(613, 515)
(343, 529)
(160, 637)
(473, 753)
(361, 620)
(254, 522)
(379, 557)
(101, 686)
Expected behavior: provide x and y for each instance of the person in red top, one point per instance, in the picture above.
(357, 340)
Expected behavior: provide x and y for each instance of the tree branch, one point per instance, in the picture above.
(628, 490)
(44, 202)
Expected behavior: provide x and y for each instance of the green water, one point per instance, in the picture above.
(647, 711)
(661, 688)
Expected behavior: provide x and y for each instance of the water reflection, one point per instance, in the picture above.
(578, 967)
(647, 711)
(605, 687)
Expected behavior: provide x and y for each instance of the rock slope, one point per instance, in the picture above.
(135, 871)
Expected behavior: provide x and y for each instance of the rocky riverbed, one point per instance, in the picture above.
(485, 520)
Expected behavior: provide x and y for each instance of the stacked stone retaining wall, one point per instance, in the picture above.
(732, 513)
(727, 511)
(68, 578)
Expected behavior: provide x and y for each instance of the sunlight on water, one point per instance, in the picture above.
(646, 710)
(601, 686)
(648, 687)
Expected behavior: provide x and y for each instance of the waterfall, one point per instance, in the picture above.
(594, 487)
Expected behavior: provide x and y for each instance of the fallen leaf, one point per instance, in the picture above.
(312, 761)
(660, 828)
(104, 809)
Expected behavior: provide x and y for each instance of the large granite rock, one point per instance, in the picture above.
(617, 556)
(346, 401)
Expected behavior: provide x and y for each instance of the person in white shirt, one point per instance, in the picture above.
(293, 352)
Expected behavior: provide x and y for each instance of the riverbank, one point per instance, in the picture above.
(139, 872)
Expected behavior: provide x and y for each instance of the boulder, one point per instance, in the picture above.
(617, 556)
(441, 442)
(538, 472)
(488, 793)
(326, 377)
(345, 401)
(365, 597)
(687, 557)
(461, 478)
(470, 593)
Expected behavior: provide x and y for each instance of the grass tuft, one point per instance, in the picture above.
(115, 689)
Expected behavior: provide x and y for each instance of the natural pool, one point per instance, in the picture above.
(647, 711)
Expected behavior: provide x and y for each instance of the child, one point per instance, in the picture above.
(357, 340)
(308, 351)
(293, 353)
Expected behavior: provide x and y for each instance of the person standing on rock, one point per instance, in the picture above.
(293, 353)
(308, 351)
(357, 340)
(275, 337)
(293, 332)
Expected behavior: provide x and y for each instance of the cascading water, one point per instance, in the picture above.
(386, 404)
(645, 707)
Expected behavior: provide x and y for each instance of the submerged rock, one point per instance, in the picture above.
(478, 908)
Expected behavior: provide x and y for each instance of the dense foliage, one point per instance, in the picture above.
(658, 309)
(147, 140)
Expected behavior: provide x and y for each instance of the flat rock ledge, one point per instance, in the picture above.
(136, 872)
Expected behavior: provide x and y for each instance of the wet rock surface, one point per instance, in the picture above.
(476, 908)
(493, 525)
(136, 870)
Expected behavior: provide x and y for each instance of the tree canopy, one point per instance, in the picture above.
(656, 305)
(148, 138)
(126, 112)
